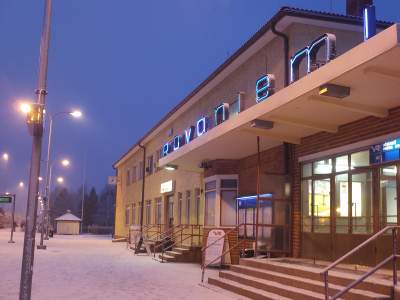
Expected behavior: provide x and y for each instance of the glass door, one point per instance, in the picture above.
(388, 195)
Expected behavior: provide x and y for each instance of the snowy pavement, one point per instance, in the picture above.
(91, 267)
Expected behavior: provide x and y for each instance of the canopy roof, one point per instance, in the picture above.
(371, 70)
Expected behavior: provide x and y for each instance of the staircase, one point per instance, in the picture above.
(182, 254)
(285, 279)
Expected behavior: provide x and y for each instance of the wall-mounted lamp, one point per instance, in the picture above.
(171, 167)
(262, 124)
(334, 90)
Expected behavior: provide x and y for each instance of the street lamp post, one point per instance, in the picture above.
(35, 124)
(46, 204)
(75, 114)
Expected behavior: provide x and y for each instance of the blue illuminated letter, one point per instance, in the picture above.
(221, 113)
(310, 53)
(189, 134)
(201, 126)
(369, 22)
(177, 142)
(264, 87)
(165, 149)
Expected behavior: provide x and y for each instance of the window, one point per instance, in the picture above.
(342, 203)
(360, 159)
(134, 174)
(127, 219)
(134, 213)
(170, 203)
(306, 195)
(228, 183)
(140, 177)
(342, 163)
(180, 208)
(158, 210)
(228, 207)
(210, 208)
(187, 207)
(361, 192)
(323, 166)
(388, 196)
(149, 168)
(156, 160)
(128, 177)
(352, 190)
(197, 205)
(148, 212)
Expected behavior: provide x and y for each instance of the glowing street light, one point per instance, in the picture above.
(40, 178)
(60, 180)
(65, 162)
(76, 113)
(25, 107)
(5, 156)
(21, 184)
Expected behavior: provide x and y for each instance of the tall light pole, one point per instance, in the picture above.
(46, 205)
(5, 157)
(35, 126)
(74, 114)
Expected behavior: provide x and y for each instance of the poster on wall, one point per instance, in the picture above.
(216, 239)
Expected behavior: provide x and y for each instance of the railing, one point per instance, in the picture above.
(170, 237)
(393, 258)
(203, 265)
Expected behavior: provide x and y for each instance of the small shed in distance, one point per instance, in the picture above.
(68, 223)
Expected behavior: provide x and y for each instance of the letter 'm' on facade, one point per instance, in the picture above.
(201, 126)
(310, 53)
(221, 113)
(264, 87)
(189, 134)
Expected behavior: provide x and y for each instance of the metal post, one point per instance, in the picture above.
(83, 191)
(12, 221)
(326, 286)
(29, 238)
(394, 263)
(47, 186)
(258, 194)
(48, 219)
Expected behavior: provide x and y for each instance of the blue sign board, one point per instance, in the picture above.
(385, 152)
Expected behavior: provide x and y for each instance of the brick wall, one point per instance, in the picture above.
(221, 166)
(347, 134)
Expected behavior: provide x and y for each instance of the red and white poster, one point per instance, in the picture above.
(216, 239)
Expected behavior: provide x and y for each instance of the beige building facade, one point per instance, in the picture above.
(201, 165)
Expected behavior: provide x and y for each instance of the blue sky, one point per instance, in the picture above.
(124, 63)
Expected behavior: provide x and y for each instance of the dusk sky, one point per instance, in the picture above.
(124, 63)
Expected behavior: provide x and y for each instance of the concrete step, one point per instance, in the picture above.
(245, 290)
(237, 273)
(340, 278)
(181, 250)
(167, 258)
(173, 253)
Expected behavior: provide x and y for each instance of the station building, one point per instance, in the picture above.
(301, 123)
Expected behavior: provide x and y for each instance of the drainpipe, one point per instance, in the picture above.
(143, 183)
(285, 51)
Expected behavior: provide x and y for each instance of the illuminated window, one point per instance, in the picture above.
(188, 207)
(323, 166)
(342, 163)
(360, 159)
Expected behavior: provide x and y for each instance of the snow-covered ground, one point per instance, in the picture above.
(91, 267)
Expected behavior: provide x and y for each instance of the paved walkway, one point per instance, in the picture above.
(91, 267)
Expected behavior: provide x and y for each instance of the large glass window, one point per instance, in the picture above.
(306, 192)
(323, 166)
(127, 212)
(388, 196)
(158, 210)
(361, 198)
(180, 208)
(196, 205)
(360, 159)
(322, 205)
(210, 208)
(134, 213)
(228, 208)
(148, 212)
(342, 203)
(170, 201)
(187, 207)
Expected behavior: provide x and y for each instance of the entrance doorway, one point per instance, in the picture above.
(170, 211)
(345, 200)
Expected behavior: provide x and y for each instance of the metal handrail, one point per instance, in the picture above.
(204, 267)
(171, 235)
(174, 243)
(392, 258)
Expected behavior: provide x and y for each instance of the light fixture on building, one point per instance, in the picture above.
(334, 90)
(262, 124)
(171, 167)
